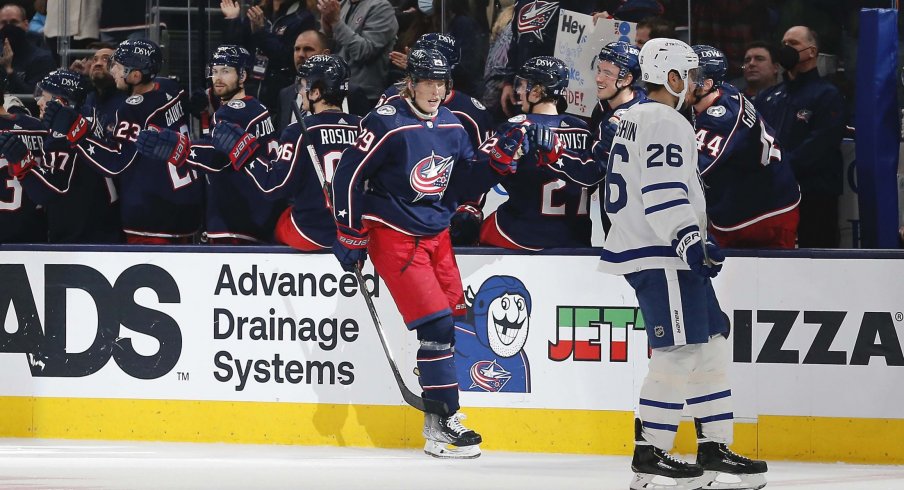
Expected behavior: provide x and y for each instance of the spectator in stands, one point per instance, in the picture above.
(105, 98)
(807, 113)
(269, 30)
(652, 28)
(308, 43)
(36, 24)
(761, 68)
(25, 63)
(497, 58)
(362, 33)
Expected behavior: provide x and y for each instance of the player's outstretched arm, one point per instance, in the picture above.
(274, 177)
(164, 145)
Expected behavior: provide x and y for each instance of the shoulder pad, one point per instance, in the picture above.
(569, 121)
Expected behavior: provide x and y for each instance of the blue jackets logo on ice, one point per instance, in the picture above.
(430, 176)
(489, 340)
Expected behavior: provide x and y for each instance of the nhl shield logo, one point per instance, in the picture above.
(659, 331)
(535, 16)
(430, 176)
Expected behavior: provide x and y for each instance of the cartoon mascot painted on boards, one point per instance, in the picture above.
(489, 341)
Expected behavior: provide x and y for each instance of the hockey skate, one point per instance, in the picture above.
(448, 438)
(655, 469)
(726, 470)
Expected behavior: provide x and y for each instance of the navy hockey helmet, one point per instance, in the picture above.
(139, 54)
(231, 55)
(712, 64)
(443, 43)
(546, 71)
(327, 73)
(428, 64)
(69, 85)
(624, 56)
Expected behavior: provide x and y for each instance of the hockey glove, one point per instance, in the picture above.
(511, 143)
(65, 120)
(704, 259)
(603, 146)
(16, 154)
(163, 144)
(350, 248)
(549, 146)
(232, 140)
(198, 102)
(464, 228)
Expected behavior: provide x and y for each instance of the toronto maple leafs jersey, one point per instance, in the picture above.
(292, 175)
(21, 218)
(156, 198)
(741, 164)
(236, 208)
(399, 170)
(473, 115)
(653, 189)
(543, 209)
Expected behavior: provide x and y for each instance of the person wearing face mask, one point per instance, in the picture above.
(25, 63)
(808, 114)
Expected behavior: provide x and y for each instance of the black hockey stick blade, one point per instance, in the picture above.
(422, 404)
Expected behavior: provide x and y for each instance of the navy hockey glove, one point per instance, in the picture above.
(511, 143)
(350, 248)
(704, 259)
(546, 141)
(232, 140)
(163, 144)
(16, 154)
(464, 227)
(64, 120)
(607, 133)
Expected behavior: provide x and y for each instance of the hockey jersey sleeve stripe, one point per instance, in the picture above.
(663, 185)
(665, 205)
(638, 253)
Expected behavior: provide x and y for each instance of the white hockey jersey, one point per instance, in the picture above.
(653, 189)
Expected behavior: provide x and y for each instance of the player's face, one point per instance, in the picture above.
(43, 98)
(224, 80)
(99, 68)
(689, 96)
(429, 94)
(526, 96)
(758, 66)
(119, 75)
(606, 80)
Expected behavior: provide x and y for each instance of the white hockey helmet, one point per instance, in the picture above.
(659, 56)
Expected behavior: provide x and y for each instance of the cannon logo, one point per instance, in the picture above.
(115, 306)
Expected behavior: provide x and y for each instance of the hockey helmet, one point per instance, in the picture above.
(327, 73)
(624, 56)
(443, 43)
(428, 64)
(139, 54)
(712, 64)
(69, 85)
(546, 71)
(231, 55)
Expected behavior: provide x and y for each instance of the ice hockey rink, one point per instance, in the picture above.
(64, 464)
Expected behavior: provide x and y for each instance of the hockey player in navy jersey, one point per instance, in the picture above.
(308, 224)
(21, 219)
(752, 196)
(390, 200)
(237, 211)
(542, 209)
(81, 205)
(160, 202)
(658, 241)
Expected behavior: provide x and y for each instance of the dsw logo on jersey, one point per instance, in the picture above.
(535, 16)
(430, 176)
(114, 306)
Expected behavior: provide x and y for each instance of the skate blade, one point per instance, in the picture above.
(646, 481)
(448, 451)
(726, 481)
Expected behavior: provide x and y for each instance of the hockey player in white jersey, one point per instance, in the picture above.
(658, 241)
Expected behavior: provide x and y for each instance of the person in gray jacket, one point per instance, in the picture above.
(362, 32)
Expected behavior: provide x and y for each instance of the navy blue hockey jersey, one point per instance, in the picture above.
(292, 174)
(236, 208)
(21, 219)
(157, 199)
(473, 115)
(400, 168)
(542, 209)
(102, 108)
(741, 164)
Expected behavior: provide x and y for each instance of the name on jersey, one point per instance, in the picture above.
(574, 141)
(748, 116)
(627, 130)
(338, 136)
(264, 127)
(174, 114)
(33, 143)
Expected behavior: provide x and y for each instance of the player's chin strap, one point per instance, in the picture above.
(680, 95)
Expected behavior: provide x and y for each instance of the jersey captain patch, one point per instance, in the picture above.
(430, 176)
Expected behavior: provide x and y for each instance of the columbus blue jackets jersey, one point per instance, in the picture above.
(102, 108)
(156, 198)
(21, 219)
(292, 175)
(542, 209)
(236, 208)
(473, 115)
(741, 164)
(653, 189)
(399, 170)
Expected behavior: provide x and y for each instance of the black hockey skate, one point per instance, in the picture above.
(654, 467)
(743, 473)
(448, 438)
